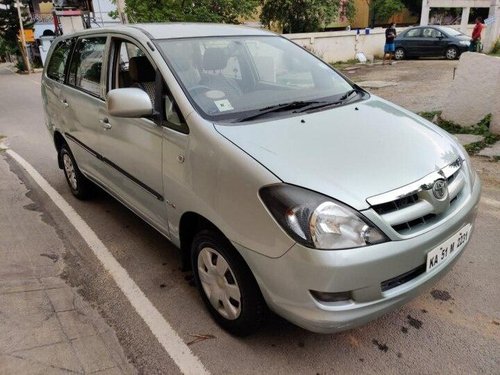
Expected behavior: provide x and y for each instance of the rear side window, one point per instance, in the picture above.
(55, 69)
(86, 65)
(414, 33)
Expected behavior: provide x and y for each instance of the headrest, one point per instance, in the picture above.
(141, 70)
(214, 59)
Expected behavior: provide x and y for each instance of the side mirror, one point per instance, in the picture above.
(170, 113)
(129, 102)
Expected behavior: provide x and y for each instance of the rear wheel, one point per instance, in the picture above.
(451, 53)
(226, 284)
(80, 186)
(399, 54)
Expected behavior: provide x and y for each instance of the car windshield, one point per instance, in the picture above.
(232, 79)
(450, 31)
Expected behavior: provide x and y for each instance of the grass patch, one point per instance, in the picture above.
(481, 128)
(1, 138)
(344, 64)
(495, 51)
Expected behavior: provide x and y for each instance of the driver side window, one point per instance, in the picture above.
(132, 68)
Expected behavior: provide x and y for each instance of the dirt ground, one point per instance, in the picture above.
(420, 85)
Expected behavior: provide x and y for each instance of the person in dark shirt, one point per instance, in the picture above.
(389, 48)
(476, 36)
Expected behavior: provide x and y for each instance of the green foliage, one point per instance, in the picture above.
(344, 64)
(20, 66)
(221, 11)
(481, 128)
(414, 6)
(383, 10)
(304, 15)
(9, 21)
(495, 51)
(7, 47)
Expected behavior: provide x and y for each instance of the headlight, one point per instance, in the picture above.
(317, 221)
(464, 42)
(470, 169)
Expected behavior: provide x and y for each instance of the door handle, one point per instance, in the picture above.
(105, 123)
(64, 103)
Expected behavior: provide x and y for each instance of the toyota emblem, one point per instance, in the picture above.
(439, 189)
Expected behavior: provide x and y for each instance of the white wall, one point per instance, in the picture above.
(475, 91)
(343, 45)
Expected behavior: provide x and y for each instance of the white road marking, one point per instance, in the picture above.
(187, 362)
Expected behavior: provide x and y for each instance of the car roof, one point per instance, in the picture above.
(173, 30)
(186, 30)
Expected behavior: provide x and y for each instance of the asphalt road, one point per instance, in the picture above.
(452, 328)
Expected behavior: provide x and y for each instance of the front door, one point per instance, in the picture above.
(131, 148)
(431, 42)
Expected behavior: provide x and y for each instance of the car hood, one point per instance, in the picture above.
(349, 153)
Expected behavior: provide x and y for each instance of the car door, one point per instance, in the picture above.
(410, 41)
(131, 148)
(431, 42)
(53, 84)
(83, 98)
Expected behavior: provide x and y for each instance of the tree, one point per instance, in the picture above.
(9, 27)
(414, 6)
(384, 9)
(221, 11)
(296, 16)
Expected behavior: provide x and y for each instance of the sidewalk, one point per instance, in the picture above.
(45, 326)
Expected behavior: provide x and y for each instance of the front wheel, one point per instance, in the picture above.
(451, 53)
(80, 186)
(226, 284)
(399, 54)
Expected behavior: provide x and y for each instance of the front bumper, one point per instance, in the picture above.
(285, 282)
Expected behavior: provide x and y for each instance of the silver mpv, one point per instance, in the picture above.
(284, 184)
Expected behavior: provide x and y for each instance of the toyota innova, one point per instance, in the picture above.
(285, 185)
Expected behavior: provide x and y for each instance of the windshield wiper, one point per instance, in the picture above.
(278, 108)
(344, 98)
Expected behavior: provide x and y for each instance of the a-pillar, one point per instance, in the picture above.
(424, 18)
(465, 20)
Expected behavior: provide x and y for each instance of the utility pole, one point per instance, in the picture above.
(24, 51)
(120, 7)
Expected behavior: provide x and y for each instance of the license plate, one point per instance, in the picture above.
(445, 251)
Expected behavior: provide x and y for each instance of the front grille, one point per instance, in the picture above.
(403, 278)
(414, 224)
(398, 204)
(414, 212)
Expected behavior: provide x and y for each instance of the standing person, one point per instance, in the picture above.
(476, 35)
(389, 47)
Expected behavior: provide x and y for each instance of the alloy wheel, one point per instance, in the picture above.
(399, 54)
(451, 53)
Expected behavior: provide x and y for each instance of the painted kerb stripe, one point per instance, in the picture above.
(187, 362)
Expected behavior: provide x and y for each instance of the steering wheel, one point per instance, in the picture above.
(198, 89)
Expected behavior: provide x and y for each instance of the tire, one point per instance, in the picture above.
(79, 185)
(399, 54)
(226, 284)
(451, 53)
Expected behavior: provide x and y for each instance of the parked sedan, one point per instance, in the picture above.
(431, 41)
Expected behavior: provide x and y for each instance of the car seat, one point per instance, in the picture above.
(143, 75)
